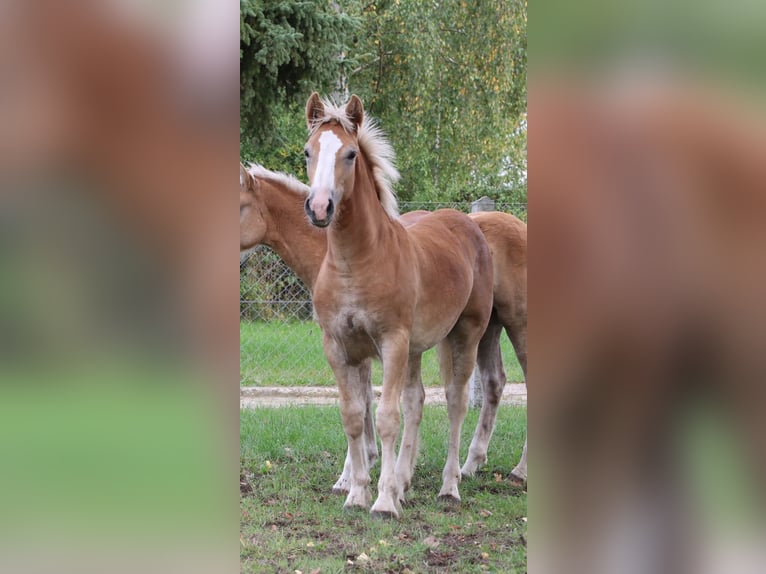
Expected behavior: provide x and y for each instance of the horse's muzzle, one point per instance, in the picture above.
(324, 222)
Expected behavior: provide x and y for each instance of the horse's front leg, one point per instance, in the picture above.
(413, 397)
(394, 356)
(343, 484)
(352, 392)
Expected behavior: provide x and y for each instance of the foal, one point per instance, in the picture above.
(389, 291)
(271, 213)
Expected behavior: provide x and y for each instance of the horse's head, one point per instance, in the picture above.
(331, 155)
(252, 226)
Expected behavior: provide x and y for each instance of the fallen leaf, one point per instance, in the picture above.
(310, 544)
(498, 477)
(484, 555)
(384, 543)
(316, 571)
(485, 513)
(363, 558)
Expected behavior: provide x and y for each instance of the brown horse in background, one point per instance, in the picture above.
(271, 211)
(392, 292)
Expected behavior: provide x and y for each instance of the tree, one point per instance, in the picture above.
(450, 77)
(287, 47)
(447, 79)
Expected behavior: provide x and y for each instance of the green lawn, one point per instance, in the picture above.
(290, 354)
(290, 458)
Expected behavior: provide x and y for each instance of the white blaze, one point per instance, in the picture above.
(324, 176)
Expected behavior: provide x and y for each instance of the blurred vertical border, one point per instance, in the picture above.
(118, 286)
(647, 323)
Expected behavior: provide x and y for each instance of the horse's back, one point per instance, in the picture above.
(455, 265)
(504, 230)
(447, 232)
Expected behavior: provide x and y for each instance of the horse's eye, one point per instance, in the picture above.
(306, 153)
(351, 155)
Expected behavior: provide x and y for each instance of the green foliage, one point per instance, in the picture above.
(446, 78)
(286, 48)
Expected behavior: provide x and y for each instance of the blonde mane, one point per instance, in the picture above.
(376, 148)
(285, 180)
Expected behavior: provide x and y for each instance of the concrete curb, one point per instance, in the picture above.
(252, 397)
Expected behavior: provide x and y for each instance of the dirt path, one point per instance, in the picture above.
(250, 397)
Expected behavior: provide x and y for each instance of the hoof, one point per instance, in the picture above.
(359, 499)
(449, 499)
(449, 491)
(467, 472)
(386, 507)
(341, 486)
(517, 480)
(472, 465)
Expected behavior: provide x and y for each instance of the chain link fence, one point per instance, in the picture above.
(280, 343)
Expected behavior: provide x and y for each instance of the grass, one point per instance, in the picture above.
(290, 521)
(290, 354)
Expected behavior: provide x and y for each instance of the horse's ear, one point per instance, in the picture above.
(246, 180)
(243, 176)
(354, 111)
(314, 110)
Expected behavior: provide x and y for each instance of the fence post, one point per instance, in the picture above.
(475, 393)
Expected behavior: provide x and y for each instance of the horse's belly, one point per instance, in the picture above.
(427, 334)
(435, 316)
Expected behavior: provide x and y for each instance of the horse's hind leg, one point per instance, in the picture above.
(490, 362)
(413, 397)
(457, 358)
(518, 336)
(370, 438)
(343, 484)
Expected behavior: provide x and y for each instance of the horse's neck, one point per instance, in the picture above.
(361, 226)
(301, 245)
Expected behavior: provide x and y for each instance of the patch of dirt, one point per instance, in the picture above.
(245, 488)
(252, 397)
(440, 558)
